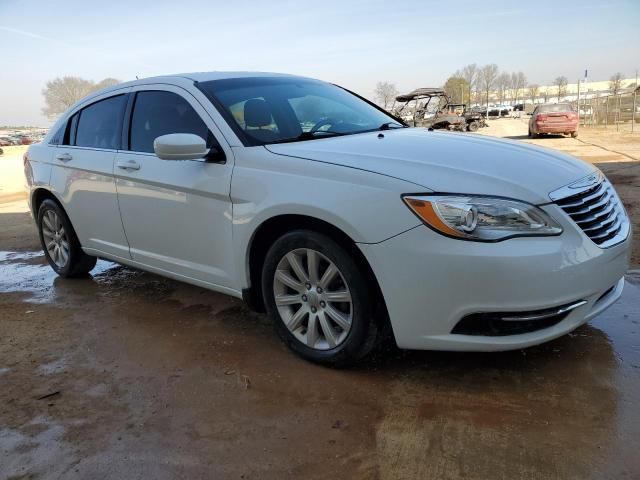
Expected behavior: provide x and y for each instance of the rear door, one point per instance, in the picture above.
(82, 174)
(176, 214)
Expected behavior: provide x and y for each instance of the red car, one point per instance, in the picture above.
(553, 118)
(26, 140)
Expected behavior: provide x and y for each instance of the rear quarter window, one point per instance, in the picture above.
(100, 124)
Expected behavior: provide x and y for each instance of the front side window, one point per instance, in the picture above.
(266, 110)
(157, 113)
(99, 124)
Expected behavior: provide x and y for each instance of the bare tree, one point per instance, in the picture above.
(561, 85)
(386, 93)
(534, 89)
(60, 93)
(470, 74)
(107, 82)
(615, 83)
(518, 83)
(487, 78)
(503, 81)
(545, 94)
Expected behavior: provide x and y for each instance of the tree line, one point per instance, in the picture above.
(473, 84)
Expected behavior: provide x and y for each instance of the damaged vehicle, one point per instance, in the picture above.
(431, 108)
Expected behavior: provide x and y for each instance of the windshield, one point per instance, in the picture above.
(265, 110)
(558, 107)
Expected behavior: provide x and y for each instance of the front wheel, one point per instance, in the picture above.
(60, 243)
(319, 299)
(574, 134)
(473, 126)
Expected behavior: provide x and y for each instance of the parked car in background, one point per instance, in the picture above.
(558, 118)
(27, 140)
(5, 142)
(10, 140)
(341, 222)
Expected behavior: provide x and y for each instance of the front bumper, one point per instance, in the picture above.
(431, 282)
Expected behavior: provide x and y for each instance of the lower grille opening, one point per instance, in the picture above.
(498, 324)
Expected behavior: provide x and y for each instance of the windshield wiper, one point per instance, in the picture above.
(310, 136)
(387, 126)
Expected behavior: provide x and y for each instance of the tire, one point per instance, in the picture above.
(343, 332)
(574, 134)
(531, 134)
(60, 242)
(473, 126)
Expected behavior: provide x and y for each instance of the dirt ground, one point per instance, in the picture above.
(125, 374)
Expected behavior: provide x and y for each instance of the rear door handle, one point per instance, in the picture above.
(129, 165)
(64, 157)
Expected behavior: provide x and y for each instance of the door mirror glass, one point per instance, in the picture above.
(180, 146)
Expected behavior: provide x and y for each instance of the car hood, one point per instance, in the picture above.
(448, 162)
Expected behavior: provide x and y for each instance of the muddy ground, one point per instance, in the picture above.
(125, 374)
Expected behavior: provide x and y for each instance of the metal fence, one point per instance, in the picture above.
(610, 110)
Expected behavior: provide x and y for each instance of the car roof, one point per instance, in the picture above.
(420, 93)
(182, 78)
(193, 77)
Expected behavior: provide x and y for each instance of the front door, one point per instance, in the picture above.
(176, 214)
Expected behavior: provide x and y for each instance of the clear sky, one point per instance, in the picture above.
(355, 43)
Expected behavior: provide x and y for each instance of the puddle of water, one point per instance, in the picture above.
(40, 448)
(56, 366)
(29, 272)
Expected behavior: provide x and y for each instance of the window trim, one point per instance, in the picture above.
(128, 123)
(71, 126)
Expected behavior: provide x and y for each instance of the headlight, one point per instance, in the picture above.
(483, 219)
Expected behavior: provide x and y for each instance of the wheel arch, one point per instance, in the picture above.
(39, 195)
(273, 228)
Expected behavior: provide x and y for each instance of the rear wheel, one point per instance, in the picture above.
(319, 299)
(60, 243)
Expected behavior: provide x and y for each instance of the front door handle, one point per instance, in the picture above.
(129, 165)
(64, 157)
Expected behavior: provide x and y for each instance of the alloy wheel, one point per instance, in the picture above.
(55, 238)
(313, 299)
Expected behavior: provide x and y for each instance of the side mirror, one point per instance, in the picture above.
(180, 146)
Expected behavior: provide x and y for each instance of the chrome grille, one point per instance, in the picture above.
(596, 209)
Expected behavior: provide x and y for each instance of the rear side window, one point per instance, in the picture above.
(557, 107)
(157, 113)
(99, 124)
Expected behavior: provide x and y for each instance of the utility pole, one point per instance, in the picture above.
(579, 102)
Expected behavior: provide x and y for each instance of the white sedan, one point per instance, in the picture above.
(336, 218)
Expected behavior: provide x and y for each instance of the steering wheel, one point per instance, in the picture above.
(321, 123)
